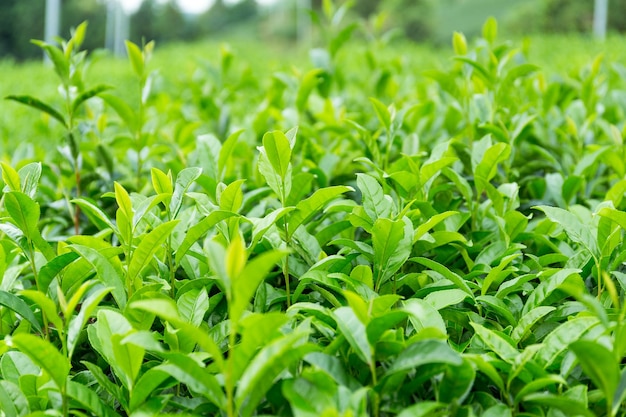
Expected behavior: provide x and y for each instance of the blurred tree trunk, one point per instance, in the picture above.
(600, 18)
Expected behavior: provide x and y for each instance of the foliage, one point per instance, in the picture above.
(558, 16)
(341, 240)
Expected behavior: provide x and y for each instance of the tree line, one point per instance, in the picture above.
(23, 20)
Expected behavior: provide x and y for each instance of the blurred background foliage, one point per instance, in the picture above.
(429, 21)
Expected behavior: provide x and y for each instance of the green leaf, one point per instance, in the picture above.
(569, 406)
(24, 211)
(424, 352)
(490, 29)
(145, 206)
(78, 34)
(459, 44)
(124, 111)
(225, 153)
(30, 174)
(88, 399)
(167, 310)
(539, 384)
(48, 308)
(308, 208)
(186, 370)
(114, 390)
(161, 182)
(355, 333)
(496, 343)
(392, 242)
(105, 336)
(431, 169)
(488, 167)
(95, 214)
(20, 307)
(136, 58)
(268, 364)
(483, 364)
(39, 105)
(423, 315)
(497, 306)
(380, 324)
(573, 226)
(184, 179)
(382, 112)
(13, 402)
(432, 222)
(599, 364)
(528, 320)
(147, 385)
(148, 246)
(58, 58)
(446, 297)
(446, 273)
(375, 203)
(50, 270)
(200, 229)
(547, 287)
(77, 323)
(310, 80)
(495, 276)
(245, 284)
(276, 148)
(424, 409)
(193, 305)
(123, 200)
(105, 271)
(457, 382)
(480, 70)
(261, 226)
(280, 185)
(559, 339)
(86, 95)
(620, 392)
(45, 355)
(10, 177)
(617, 216)
(128, 358)
(231, 198)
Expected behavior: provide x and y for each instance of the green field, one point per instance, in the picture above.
(369, 228)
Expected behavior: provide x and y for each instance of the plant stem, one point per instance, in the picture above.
(78, 194)
(171, 266)
(31, 260)
(375, 398)
(286, 264)
(230, 406)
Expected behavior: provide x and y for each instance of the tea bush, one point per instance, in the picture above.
(356, 238)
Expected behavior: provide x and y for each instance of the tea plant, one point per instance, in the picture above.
(320, 243)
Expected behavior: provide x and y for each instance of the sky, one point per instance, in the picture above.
(189, 6)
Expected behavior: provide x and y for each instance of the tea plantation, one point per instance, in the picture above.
(368, 229)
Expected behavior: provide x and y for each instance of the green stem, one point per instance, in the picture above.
(129, 255)
(230, 388)
(66, 406)
(171, 266)
(139, 131)
(375, 398)
(31, 260)
(78, 194)
(598, 269)
(388, 149)
(286, 264)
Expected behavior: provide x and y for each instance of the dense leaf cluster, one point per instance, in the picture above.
(450, 245)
